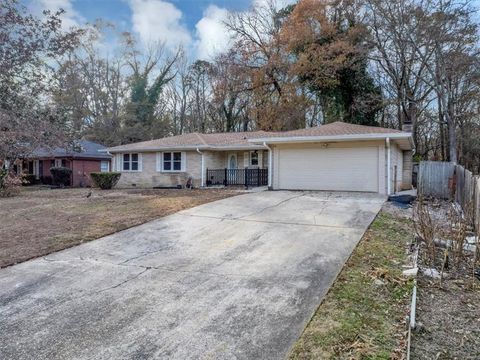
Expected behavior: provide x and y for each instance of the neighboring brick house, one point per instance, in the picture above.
(336, 156)
(84, 157)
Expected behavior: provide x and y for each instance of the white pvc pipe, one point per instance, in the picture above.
(270, 155)
(388, 166)
(413, 308)
(203, 169)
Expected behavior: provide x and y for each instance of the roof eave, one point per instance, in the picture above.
(189, 148)
(349, 137)
(157, 148)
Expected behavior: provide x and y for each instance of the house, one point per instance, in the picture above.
(84, 157)
(336, 156)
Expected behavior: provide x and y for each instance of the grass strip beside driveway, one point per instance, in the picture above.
(363, 314)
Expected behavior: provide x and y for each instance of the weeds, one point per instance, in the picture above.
(425, 229)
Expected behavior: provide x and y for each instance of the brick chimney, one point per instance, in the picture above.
(407, 126)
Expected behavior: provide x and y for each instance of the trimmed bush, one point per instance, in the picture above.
(29, 179)
(105, 180)
(61, 175)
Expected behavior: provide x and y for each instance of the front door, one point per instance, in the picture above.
(232, 161)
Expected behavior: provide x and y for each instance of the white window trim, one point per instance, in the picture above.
(251, 158)
(183, 165)
(108, 165)
(139, 162)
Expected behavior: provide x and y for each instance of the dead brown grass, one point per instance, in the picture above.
(358, 318)
(39, 222)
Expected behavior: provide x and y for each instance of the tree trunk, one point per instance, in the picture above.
(452, 138)
(443, 150)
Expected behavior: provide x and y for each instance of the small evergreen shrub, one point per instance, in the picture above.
(61, 175)
(105, 180)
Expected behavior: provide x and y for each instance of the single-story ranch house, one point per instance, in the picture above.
(84, 157)
(336, 156)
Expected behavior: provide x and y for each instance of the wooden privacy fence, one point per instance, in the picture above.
(434, 179)
(467, 193)
(449, 181)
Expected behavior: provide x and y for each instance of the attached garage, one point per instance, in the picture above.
(317, 167)
(339, 157)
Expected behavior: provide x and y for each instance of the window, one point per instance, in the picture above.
(172, 161)
(254, 158)
(105, 166)
(130, 162)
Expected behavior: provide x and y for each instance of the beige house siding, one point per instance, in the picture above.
(214, 159)
(219, 159)
(407, 170)
(148, 176)
(396, 164)
(399, 166)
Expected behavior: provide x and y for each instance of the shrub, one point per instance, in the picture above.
(105, 180)
(61, 175)
(9, 183)
(29, 179)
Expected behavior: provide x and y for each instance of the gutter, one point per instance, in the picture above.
(203, 169)
(387, 143)
(270, 155)
(293, 139)
(187, 148)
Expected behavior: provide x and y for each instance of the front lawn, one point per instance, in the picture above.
(38, 222)
(363, 314)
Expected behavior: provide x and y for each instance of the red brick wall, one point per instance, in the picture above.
(81, 170)
(47, 164)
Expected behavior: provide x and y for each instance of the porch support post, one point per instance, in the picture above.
(270, 157)
(202, 168)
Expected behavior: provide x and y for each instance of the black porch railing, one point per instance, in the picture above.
(246, 177)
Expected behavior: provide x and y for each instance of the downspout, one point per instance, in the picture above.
(269, 165)
(203, 170)
(388, 166)
(110, 164)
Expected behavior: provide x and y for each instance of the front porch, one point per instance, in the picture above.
(244, 168)
(246, 177)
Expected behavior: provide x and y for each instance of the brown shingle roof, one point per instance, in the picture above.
(241, 138)
(337, 128)
(184, 140)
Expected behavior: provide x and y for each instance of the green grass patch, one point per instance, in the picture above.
(359, 319)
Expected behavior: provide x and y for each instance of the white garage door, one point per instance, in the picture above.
(340, 169)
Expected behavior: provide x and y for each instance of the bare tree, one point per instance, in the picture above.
(392, 26)
(448, 35)
(29, 45)
(91, 89)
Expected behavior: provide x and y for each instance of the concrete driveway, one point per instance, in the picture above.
(233, 279)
